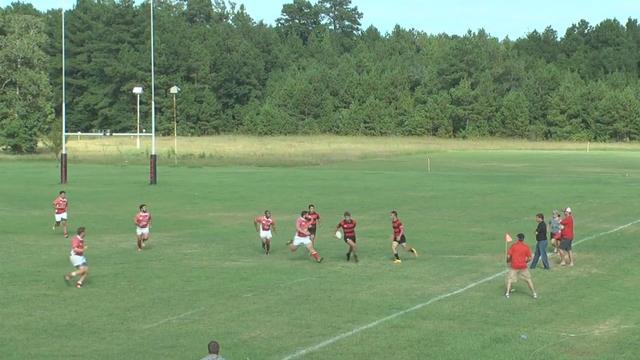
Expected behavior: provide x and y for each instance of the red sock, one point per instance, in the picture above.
(315, 255)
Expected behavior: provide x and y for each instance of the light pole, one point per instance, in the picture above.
(138, 90)
(174, 90)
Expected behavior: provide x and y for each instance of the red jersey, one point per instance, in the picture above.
(567, 230)
(398, 227)
(348, 227)
(77, 245)
(60, 205)
(519, 253)
(303, 224)
(265, 222)
(313, 218)
(142, 219)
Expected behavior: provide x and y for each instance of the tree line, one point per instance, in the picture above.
(315, 71)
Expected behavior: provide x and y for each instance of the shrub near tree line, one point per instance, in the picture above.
(315, 71)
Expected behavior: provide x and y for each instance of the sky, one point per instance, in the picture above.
(500, 18)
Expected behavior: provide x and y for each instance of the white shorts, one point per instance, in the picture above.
(77, 260)
(297, 240)
(60, 217)
(142, 231)
(265, 234)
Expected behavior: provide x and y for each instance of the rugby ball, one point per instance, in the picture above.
(338, 234)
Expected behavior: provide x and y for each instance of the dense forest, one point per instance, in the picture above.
(315, 71)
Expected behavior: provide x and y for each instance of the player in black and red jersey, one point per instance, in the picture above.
(398, 238)
(314, 218)
(348, 226)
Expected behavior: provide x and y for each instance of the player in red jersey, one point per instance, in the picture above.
(348, 226)
(264, 224)
(398, 238)
(77, 259)
(60, 205)
(314, 218)
(143, 223)
(303, 237)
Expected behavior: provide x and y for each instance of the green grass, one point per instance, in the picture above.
(204, 276)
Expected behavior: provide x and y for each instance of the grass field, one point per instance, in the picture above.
(204, 277)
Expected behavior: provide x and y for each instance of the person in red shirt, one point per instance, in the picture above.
(264, 224)
(142, 220)
(314, 218)
(77, 259)
(398, 238)
(348, 226)
(303, 237)
(566, 235)
(518, 256)
(60, 205)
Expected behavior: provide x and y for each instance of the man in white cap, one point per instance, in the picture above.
(566, 234)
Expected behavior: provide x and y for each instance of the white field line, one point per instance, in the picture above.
(171, 318)
(347, 334)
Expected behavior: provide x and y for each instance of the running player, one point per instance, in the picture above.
(398, 238)
(348, 226)
(302, 237)
(60, 205)
(264, 224)
(314, 219)
(143, 223)
(77, 259)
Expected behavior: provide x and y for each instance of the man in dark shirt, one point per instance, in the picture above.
(541, 243)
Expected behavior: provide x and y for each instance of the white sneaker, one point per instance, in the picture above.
(535, 295)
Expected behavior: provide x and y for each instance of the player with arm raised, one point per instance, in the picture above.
(264, 224)
(398, 238)
(77, 258)
(142, 220)
(60, 205)
(348, 226)
(302, 237)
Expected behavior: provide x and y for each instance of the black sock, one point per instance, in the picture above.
(396, 255)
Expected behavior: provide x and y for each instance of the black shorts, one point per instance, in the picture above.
(312, 230)
(352, 238)
(402, 240)
(565, 244)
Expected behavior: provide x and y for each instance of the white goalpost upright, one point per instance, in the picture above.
(63, 156)
(153, 175)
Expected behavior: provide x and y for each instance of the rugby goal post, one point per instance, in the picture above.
(153, 157)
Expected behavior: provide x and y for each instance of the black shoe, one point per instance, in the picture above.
(348, 256)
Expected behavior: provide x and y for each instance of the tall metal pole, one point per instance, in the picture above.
(63, 156)
(138, 128)
(175, 129)
(153, 178)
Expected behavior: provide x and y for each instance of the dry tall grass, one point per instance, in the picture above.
(297, 150)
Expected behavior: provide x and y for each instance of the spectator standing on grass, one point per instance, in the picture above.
(518, 256)
(214, 351)
(541, 243)
(555, 226)
(566, 254)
